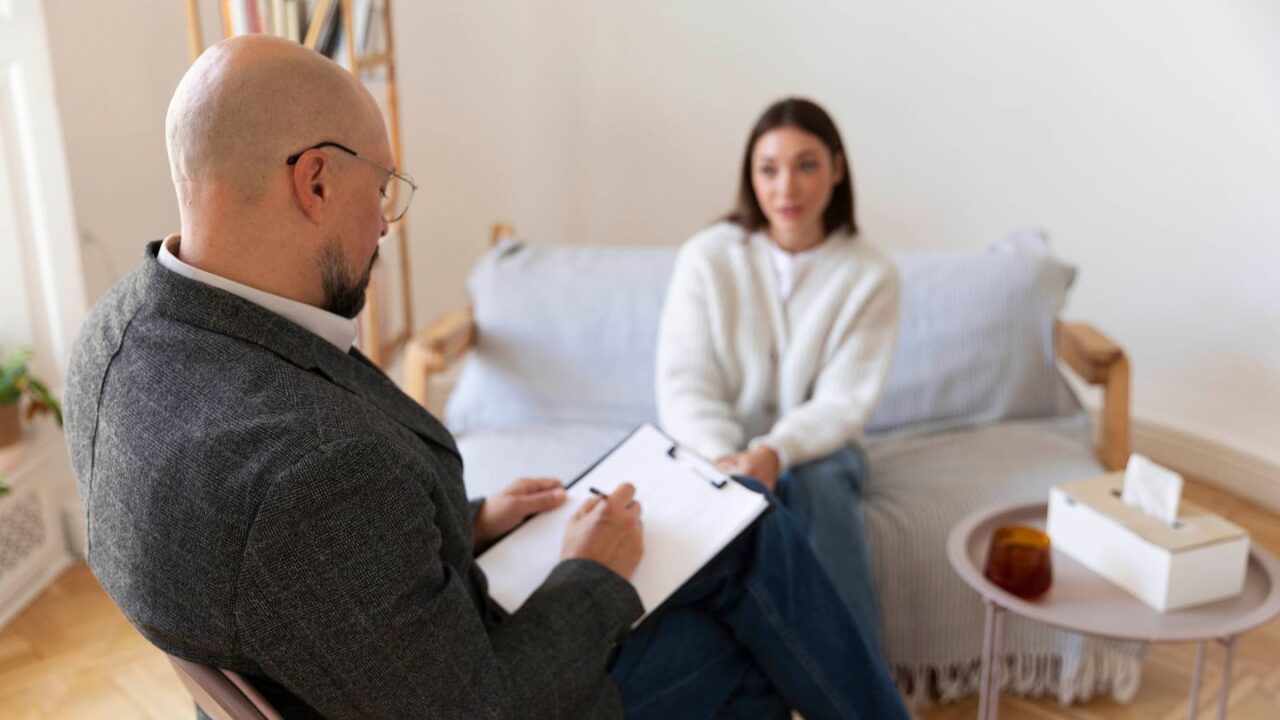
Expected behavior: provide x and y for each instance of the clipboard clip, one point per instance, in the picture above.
(698, 467)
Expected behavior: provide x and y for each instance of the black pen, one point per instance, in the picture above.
(600, 494)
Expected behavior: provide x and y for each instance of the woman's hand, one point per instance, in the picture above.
(760, 462)
(502, 512)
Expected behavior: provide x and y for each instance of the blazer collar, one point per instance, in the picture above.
(195, 303)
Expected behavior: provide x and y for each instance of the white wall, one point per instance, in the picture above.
(1141, 134)
(115, 66)
(43, 213)
(15, 320)
(40, 273)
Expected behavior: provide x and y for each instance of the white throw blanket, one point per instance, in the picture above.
(922, 485)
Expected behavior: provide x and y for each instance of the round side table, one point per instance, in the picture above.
(1084, 602)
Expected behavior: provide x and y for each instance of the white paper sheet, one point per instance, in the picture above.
(687, 521)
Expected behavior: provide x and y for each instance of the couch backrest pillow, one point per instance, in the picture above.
(567, 335)
(976, 343)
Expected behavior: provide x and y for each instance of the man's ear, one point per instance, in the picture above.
(838, 175)
(311, 187)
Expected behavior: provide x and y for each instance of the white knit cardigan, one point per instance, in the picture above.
(738, 367)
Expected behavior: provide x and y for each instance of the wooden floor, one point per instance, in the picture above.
(72, 655)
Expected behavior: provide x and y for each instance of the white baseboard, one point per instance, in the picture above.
(1238, 472)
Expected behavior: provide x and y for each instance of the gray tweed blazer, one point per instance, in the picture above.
(259, 500)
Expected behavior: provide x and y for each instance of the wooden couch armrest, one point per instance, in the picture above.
(1098, 360)
(439, 345)
(434, 349)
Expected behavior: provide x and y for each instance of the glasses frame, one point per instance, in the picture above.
(293, 160)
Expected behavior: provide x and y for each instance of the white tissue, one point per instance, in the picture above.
(1151, 488)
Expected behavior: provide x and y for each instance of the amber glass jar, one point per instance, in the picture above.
(1019, 561)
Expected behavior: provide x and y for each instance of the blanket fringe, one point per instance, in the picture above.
(1031, 675)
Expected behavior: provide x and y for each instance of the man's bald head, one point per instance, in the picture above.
(249, 102)
(307, 231)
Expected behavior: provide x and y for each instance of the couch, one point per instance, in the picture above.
(557, 355)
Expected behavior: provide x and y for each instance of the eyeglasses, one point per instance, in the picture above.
(399, 190)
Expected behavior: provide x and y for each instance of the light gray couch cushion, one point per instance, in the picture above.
(976, 344)
(567, 334)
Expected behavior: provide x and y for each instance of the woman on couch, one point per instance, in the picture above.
(776, 337)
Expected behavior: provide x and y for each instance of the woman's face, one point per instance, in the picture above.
(793, 173)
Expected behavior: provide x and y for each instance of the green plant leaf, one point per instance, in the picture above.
(15, 381)
(14, 369)
(41, 392)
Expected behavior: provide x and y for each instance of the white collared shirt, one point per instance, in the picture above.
(337, 330)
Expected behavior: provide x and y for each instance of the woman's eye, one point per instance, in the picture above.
(768, 171)
(809, 166)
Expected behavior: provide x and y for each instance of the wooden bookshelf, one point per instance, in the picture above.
(389, 284)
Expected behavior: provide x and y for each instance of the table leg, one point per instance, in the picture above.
(1230, 644)
(997, 651)
(1194, 707)
(984, 676)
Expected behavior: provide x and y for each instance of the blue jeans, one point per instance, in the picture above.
(759, 631)
(825, 496)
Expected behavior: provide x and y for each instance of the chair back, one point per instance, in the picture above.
(223, 694)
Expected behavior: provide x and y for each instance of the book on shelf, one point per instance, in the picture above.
(297, 20)
(330, 29)
(294, 15)
(279, 20)
(253, 16)
(283, 18)
(339, 54)
(362, 12)
(239, 19)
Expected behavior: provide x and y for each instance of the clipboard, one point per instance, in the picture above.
(678, 453)
(691, 512)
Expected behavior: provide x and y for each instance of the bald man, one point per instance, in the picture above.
(262, 498)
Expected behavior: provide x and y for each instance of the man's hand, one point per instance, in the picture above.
(760, 462)
(500, 513)
(608, 531)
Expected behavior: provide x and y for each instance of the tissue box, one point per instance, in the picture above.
(1199, 560)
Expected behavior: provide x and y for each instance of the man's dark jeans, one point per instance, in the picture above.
(759, 631)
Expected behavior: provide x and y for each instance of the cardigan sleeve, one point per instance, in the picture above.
(694, 405)
(853, 374)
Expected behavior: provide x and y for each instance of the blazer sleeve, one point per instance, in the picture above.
(855, 366)
(694, 405)
(345, 599)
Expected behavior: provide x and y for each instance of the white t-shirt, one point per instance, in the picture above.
(789, 268)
